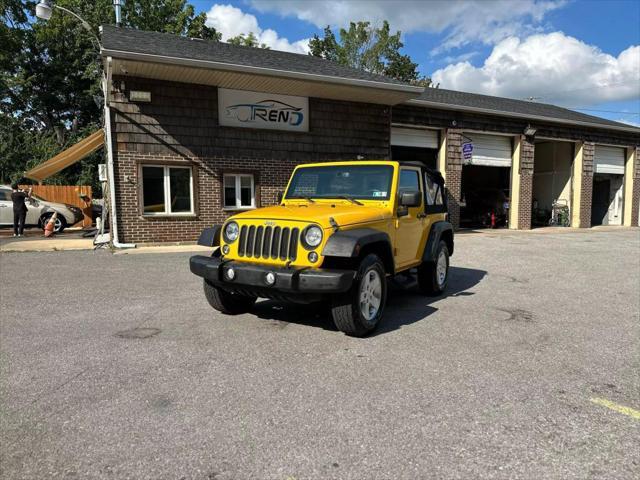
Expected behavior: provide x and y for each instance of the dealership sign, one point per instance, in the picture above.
(467, 150)
(241, 108)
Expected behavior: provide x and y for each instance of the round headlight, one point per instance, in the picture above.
(231, 231)
(312, 236)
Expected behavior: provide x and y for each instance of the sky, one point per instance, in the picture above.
(580, 54)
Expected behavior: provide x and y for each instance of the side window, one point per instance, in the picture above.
(5, 195)
(434, 194)
(409, 181)
(439, 200)
(431, 189)
(167, 190)
(239, 191)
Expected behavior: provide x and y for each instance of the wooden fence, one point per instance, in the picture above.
(69, 194)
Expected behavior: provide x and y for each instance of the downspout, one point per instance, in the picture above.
(110, 168)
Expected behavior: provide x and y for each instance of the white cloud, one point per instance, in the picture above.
(462, 22)
(553, 68)
(231, 22)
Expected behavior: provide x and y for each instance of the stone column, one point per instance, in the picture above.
(453, 174)
(631, 204)
(582, 184)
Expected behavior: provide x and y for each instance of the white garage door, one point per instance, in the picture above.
(609, 160)
(489, 150)
(414, 137)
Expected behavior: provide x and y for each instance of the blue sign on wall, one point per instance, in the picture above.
(467, 150)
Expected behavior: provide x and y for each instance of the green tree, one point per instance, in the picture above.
(249, 40)
(50, 74)
(373, 49)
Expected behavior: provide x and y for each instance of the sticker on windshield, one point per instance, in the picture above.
(378, 193)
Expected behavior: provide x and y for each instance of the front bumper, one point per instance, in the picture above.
(251, 278)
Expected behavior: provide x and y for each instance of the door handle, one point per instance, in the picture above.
(421, 215)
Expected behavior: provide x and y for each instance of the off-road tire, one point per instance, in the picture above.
(345, 309)
(227, 302)
(428, 278)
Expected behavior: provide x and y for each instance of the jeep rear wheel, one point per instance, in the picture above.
(227, 302)
(358, 311)
(433, 276)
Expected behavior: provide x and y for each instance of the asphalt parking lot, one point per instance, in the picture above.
(115, 367)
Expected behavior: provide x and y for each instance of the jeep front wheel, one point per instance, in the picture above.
(357, 312)
(227, 302)
(434, 275)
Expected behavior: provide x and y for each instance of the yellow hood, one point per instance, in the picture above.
(318, 213)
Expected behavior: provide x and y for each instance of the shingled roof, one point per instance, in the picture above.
(451, 99)
(168, 45)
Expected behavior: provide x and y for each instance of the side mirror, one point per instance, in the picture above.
(410, 199)
(279, 196)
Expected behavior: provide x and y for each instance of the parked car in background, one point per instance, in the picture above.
(39, 211)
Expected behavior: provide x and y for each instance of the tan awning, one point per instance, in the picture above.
(70, 156)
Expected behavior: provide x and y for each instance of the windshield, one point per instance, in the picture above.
(363, 182)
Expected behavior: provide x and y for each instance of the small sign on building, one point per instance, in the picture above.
(139, 96)
(242, 108)
(467, 151)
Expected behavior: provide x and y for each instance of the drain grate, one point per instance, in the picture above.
(141, 332)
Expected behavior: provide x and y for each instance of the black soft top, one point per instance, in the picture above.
(437, 176)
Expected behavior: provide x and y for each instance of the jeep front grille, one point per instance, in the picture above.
(265, 242)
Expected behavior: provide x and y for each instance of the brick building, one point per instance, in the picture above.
(198, 130)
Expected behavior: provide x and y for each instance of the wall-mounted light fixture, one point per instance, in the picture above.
(529, 131)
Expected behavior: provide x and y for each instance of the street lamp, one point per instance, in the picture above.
(44, 10)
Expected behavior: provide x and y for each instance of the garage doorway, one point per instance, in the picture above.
(608, 184)
(415, 145)
(486, 181)
(553, 161)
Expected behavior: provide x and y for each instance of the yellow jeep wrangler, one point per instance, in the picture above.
(339, 231)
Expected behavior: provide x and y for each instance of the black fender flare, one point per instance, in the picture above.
(210, 237)
(349, 243)
(435, 234)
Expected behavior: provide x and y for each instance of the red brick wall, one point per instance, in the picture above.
(180, 125)
(635, 196)
(527, 154)
(453, 174)
(588, 151)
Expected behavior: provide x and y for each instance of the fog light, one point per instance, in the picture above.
(313, 257)
(225, 249)
(231, 273)
(270, 278)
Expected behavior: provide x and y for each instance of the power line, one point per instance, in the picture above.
(605, 111)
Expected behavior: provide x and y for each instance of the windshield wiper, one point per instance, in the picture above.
(351, 199)
(304, 197)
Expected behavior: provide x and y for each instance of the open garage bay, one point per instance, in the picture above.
(114, 366)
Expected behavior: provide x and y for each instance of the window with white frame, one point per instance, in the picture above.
(167, 190)
(239, 191)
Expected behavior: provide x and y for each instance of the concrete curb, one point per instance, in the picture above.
(164, 249)
(48, 245)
